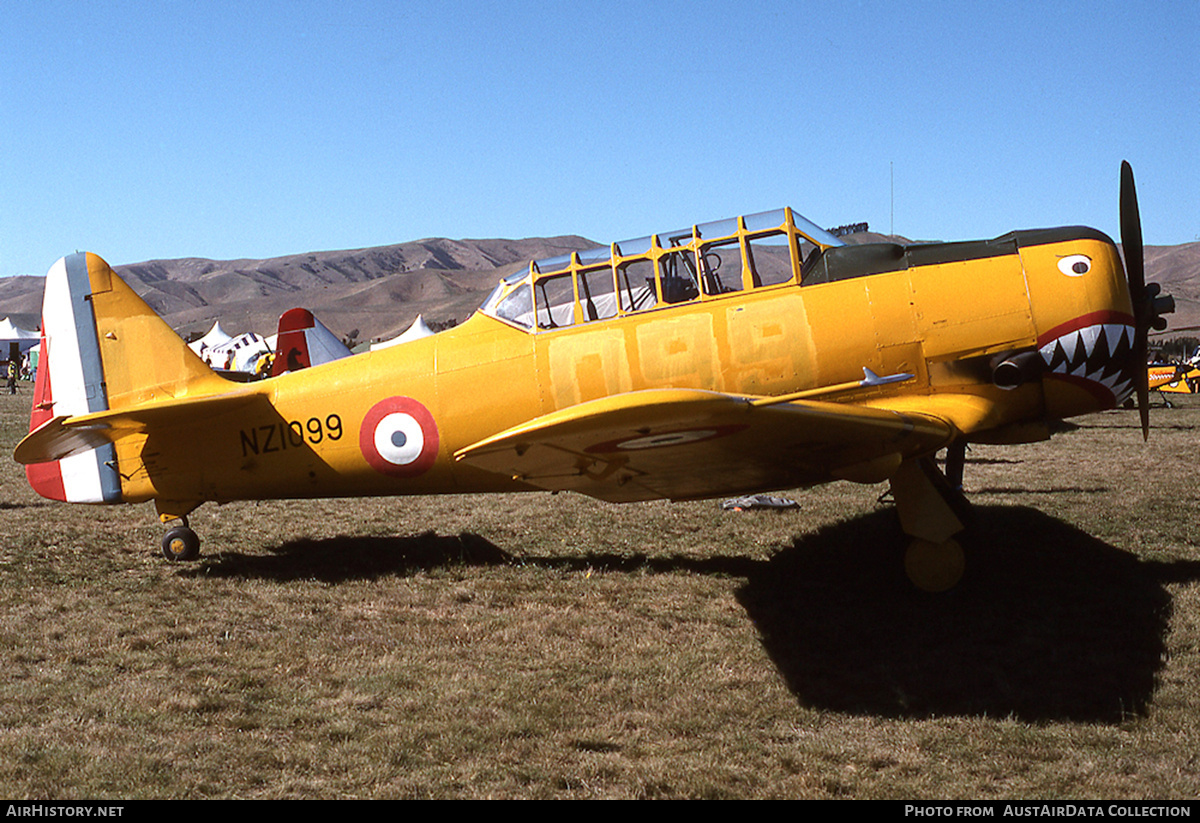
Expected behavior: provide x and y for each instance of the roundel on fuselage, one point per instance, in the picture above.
(399, 437)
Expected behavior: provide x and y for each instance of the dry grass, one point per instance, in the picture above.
(538, 646)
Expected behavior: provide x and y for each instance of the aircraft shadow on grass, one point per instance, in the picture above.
(339, 559)
(1049, 623)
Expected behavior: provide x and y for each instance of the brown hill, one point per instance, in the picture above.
(21, 299)
(378, 292)
(1177, 270)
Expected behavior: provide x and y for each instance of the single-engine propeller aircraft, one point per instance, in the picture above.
(1175, 377)
(747, 355)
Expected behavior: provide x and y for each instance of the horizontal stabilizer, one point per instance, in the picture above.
(53, 441)
(65, 436)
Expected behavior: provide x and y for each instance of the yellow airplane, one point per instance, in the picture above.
(1177, 378)
(752, 354)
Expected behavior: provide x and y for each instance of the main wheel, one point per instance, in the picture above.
(180, 543)
(934, 567)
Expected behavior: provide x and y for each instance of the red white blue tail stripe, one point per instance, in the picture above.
(71, 382)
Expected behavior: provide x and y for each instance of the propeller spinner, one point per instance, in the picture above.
(1149, 305)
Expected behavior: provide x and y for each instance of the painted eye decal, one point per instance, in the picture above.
(399, 437)
(1075, 265)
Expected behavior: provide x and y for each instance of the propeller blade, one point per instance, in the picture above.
(1131, 233)
(1135, 273)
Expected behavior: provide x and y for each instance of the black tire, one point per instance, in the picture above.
(180, 543)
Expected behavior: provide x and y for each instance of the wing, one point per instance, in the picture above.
(681, 444)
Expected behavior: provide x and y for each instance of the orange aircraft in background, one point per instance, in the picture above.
(751, 354)
(1174, 378)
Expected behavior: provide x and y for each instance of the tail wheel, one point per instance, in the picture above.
(180, 543)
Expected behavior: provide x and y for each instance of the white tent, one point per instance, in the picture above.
(215, 338)
(10, 334)
(414, 332)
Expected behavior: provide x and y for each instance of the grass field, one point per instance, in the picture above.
(545, 646)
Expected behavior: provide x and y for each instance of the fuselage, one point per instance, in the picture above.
(761, 310)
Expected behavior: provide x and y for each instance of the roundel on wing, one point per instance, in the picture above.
(675, 437)
(399, 437)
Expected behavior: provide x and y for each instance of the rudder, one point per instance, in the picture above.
(70, 381)
(304, 341)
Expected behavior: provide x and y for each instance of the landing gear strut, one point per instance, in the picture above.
(929, 507)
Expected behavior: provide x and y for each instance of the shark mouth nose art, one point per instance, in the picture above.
(1096, 352)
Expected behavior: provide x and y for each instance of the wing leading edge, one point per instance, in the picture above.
(684, 444)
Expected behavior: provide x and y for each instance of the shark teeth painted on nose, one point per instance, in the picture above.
(1099, 354)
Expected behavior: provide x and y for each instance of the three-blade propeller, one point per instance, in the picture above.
(1148, 304)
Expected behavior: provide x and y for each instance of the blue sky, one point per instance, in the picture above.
(142, 130)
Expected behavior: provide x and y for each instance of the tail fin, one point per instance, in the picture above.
(102, 349)
(304, 341)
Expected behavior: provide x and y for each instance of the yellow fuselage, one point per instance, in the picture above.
(946, 323)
